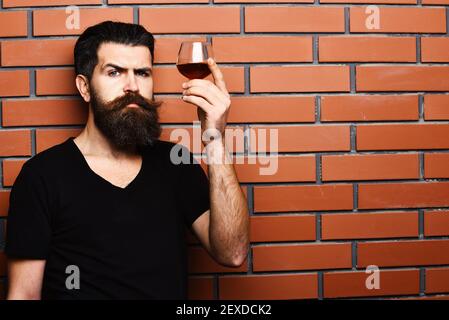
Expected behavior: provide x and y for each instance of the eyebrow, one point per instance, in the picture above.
(145, 69)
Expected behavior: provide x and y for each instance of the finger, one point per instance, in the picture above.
(205, 93)
(199, 102)
(204, 83)
(218, 76)
(196, 82)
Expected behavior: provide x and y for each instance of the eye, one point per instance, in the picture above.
(113, 73)
(143, 74)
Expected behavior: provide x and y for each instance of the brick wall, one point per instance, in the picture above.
(361, 115)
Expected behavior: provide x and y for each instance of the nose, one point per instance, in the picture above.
(131, 83)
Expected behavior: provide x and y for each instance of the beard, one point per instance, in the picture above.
(127, 128)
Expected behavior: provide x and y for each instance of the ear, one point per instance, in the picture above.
(83, 87)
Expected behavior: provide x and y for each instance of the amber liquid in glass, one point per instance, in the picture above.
(194, 70)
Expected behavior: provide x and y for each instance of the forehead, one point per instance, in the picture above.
(124, 55)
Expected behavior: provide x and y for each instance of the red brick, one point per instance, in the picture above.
(269, 287)
(44, 112)
(294, 19)
(201, 288)
(400, 20)
(370, 167)
(436, 223)
(402, 253)
(263, 1)
(369, 108)
(46, 138)
(155, 1)
(436, 107)
(353, 284)
(201, 262)
(11, 169)
(435, 2)
(13, 24)
(437, 280)
(299, 78)
(55, 82)
(370, 1)
(39, 3)
(272, 109)
(369, 225)
(14, 83)
(403, 195)
(435, 165)
(4, 202)
(15, 143)
(300, 138)
(303, 198)
(256, 109)
(198, 19)
(53, 22)
(275, 169)
(45, 52)
(169, 80)
(402, 136)
(434, 49)
(283, 228)
(302, 257)
(166, 49)
(263, 49)
(402, 78)
(367, 49)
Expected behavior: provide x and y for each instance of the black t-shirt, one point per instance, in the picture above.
(126, 243)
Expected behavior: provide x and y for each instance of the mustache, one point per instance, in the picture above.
(121, 102)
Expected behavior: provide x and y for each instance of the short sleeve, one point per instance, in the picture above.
(193, 190)
(28, 228)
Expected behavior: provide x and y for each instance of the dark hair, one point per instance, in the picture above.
(87, 45)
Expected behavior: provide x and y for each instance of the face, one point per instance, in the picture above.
(122, 100)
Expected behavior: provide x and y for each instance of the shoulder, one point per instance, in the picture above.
(48, 160)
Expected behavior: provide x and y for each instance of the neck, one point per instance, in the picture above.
(91, 141)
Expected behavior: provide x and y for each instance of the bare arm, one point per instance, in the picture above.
(229, 218)
(25, 279)
(224, 229)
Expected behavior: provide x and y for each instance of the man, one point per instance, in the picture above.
(103, 215)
